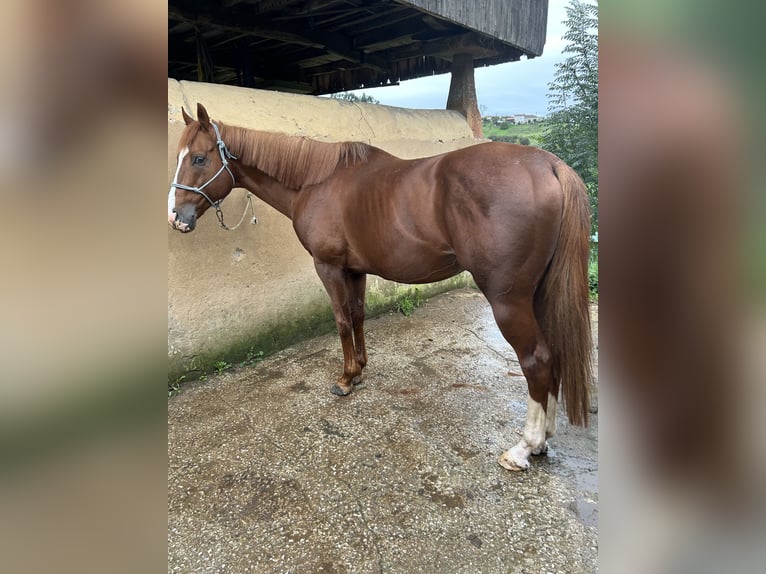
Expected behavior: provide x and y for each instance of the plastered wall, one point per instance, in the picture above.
(233, 294)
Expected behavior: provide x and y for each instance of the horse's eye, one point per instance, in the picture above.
(198, 160)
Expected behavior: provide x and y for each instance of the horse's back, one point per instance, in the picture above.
(482, 207)
(500, 167)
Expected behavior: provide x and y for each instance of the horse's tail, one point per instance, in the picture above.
(562, 300)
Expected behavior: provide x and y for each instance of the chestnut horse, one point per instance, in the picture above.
(515, 217)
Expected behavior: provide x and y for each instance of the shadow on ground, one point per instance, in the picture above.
(269, 472)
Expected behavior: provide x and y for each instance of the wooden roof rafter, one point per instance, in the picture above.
(329, 45)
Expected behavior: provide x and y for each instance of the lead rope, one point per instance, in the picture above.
(219, 213)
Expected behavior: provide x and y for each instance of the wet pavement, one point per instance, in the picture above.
(270, 472)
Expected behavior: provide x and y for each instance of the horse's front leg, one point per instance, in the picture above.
(336, 282)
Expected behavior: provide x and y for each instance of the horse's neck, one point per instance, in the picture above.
(249, 176)
(267, 189)
(297, 162)
(274, 166)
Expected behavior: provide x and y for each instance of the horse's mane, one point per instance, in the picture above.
(294, 161)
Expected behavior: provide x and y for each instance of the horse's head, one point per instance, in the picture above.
(203, 177)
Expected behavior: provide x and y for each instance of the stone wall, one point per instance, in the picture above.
(234, 294)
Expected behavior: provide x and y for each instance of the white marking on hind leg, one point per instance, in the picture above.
(550, 425)
(550, 416)
(533, 438)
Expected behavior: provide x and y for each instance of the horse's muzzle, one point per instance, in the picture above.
(182, 223)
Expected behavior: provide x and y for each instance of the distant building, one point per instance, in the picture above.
(514, 119)
(525, 118)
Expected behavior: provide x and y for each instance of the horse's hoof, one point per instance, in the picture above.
(507, 461)
(541, 450)
(337, 390)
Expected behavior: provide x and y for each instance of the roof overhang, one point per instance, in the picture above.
(326, 46)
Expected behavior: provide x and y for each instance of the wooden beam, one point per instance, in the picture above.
(462, 92)
(262, 6)
(285, 86)
(389, 34)
(335, 44)
(389, 15)
(259, 32)
(520, 23)
(476, 45)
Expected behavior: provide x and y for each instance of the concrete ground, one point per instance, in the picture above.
(269, 472)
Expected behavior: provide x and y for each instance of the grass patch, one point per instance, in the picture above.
(252, 357)
(221, 366)
(409, 302)
(532, 132)
(174, 386)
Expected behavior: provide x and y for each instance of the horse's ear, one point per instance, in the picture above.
(187, 118)
(202, 116)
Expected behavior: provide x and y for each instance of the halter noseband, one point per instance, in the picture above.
(225, 153)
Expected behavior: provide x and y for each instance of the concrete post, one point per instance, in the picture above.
(462, 92)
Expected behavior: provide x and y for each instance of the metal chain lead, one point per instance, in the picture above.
(219, 213)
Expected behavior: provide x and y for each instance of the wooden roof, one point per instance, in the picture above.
(326, 46)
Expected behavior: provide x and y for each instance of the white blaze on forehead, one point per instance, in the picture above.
(172, 192)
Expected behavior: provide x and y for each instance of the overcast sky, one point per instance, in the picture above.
(512, 88)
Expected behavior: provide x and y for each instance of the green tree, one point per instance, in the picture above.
(572, 132)
(351, 97)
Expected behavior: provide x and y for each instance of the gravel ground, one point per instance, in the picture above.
(269, 472)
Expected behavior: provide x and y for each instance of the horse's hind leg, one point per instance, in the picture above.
(516, 320)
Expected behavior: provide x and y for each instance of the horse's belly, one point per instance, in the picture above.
(409, 267)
